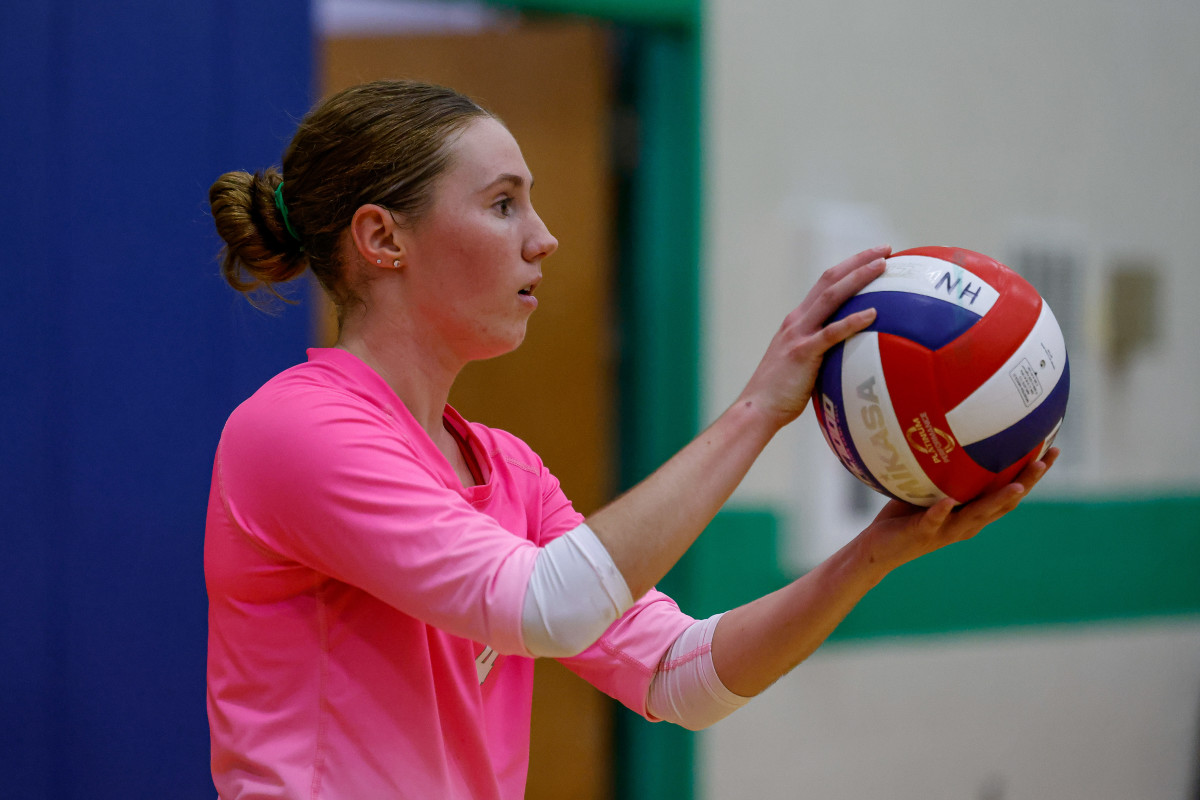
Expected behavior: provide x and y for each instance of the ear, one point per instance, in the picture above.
(376, 236)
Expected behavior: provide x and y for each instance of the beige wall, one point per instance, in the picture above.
(1074, 713)
(981, 126)
(1071, 125)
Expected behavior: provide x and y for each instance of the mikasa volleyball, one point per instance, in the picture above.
(961, 380)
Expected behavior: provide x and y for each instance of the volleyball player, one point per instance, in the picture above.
(381, 572)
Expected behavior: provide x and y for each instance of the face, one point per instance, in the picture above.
(474, 259)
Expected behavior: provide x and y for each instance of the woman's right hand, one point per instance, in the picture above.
(783, 382)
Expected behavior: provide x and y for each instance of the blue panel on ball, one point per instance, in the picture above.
(928, 321)
(997, 453)
(828, 392)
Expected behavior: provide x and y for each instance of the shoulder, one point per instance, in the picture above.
(305, 396)
(312, 421)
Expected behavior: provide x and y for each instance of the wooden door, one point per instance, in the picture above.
(550, 83)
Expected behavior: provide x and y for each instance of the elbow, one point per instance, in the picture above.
(546, 645)
(694, 727)
(575, 592)
(562, 630)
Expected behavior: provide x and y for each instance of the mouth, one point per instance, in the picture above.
(529, 288)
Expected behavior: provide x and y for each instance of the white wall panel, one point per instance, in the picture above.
(1072, 713)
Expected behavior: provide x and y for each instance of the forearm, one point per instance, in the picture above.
(647, 529)
(650, 527)
(756, 644)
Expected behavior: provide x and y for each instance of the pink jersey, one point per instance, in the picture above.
(352, 583)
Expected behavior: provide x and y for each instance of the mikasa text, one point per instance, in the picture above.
(906, 484)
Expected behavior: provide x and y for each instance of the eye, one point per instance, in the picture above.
(503, 206)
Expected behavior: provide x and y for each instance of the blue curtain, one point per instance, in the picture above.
(123, 352)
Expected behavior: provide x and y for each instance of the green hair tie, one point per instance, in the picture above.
(283, 211)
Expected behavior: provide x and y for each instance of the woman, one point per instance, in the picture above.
(381, 572)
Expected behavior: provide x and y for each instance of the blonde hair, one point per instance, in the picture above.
(383, 142)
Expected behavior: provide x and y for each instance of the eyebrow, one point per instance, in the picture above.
(508, 177)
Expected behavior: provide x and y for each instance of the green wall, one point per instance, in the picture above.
(660, 312)
(685, 13)
(1048, 562)
(660, 332)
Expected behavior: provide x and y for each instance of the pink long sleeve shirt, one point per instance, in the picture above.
(353, 581)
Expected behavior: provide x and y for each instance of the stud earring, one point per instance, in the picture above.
(396, 263)
(379, 261)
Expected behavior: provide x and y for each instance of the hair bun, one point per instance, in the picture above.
(259, 252)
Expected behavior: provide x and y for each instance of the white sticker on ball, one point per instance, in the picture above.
(1023, 383)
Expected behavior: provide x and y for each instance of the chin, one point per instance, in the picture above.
(501, 347)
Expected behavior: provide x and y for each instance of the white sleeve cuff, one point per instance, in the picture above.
(574, 594)
(686, 689)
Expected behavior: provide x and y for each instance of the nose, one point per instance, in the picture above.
(540, 243)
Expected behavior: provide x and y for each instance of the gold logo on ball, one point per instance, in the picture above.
(934, 442)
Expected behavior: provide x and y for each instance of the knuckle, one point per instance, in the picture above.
(800, 351)
(832, 332)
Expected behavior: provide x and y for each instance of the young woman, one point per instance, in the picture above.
(381, 572)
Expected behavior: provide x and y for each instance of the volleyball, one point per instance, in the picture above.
(961, 380)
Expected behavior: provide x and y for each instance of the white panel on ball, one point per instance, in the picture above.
(933, 277)
(1018, 387)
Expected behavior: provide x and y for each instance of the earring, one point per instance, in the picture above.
(379, 261)
(396, 263)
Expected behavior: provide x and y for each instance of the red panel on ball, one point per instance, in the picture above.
(910, 372)
(968, 361)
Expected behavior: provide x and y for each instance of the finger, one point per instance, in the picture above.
(839, 282)
(1036, 470)
(992, 506)
(826, 298)
(844, 268)
(939, 513)
(930, 530)
(854, 281)
(1032, 473)
(844, 328)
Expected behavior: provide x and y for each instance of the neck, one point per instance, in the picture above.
(419, 375)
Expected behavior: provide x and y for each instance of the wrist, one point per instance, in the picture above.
(759, 417)
(860, 562)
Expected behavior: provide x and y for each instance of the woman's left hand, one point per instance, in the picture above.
(901, 532)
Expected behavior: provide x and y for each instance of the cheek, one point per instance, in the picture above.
(465, 244)
(477, 259)
(464, 253)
